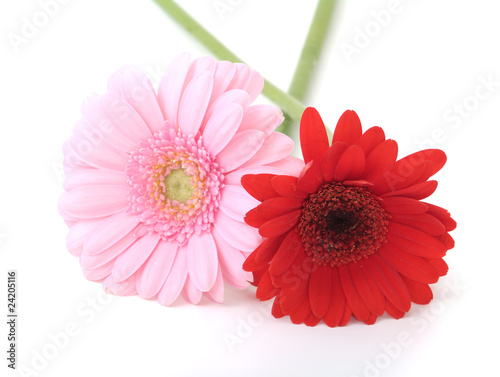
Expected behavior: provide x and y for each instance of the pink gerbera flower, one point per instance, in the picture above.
(153, 196)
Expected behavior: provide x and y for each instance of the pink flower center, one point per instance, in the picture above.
(175, 185)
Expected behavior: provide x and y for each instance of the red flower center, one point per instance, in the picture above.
(342, 224)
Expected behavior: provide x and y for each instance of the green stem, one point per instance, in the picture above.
(290, 106)
(310, 54)
(311, 50)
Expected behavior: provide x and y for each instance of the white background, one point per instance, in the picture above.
(428, 58)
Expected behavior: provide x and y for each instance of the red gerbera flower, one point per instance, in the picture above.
(350, 235)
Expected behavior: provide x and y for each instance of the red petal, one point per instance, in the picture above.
(311, 178)
(320, 290)
(447, 241)
(337, 301)
(439, 265)
(399, 204)
(392, 181)
(274, 207)
(351, 164)
(294, 283)
(358, 183)
(393, 311)
(371, 319)
(266, 290)
(280, 224)
(352, 296)
(442, 215)
(410, 170)
(414, 241)
(436, 156)
(389, 282)
(423, 221)
(313, 137)
(367, 288)
(286, 254)
(381, 159)
(259, 186)
(276, 310)
(330, 160)
(409, 265)
(312, 320)
(250, 264)
(257, 276)
(370, 139)
(419, 191)
(303, 311)
(420, 293)
(348, 128)
(347, 315)
(291, 296)
(266, 251)
(253, 219)
(286, 185)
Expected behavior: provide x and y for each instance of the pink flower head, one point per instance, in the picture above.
(152, 190)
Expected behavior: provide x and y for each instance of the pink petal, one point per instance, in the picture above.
(194, 102)
(276, 147)
(190, 292)
(92, 261)
(240, 149)
(234, 177)
(71, 166)
(255, 85)
(123, 288)
(224, 72)
(237, 234)
(264, 118)
(242, 77)
(203, 64)
(68, 219)
(202, 261)
(231, 263)
(78, 234)
(175, 279)
(95, 201)
(156, 269)
(134, 257)
(221, 127)
(236, 202)
(235, 96)
(99, 128)
(170, 88)
(288, 166)
(216, 294)
(134, 85)
(98, 273)
(89, 148)
(127, 122)
(109, 232)
(90, 177)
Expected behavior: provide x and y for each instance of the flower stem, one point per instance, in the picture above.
(309, 56)
(290, 106)
(311, 50)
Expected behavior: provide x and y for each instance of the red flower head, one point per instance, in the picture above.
(350, 235)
